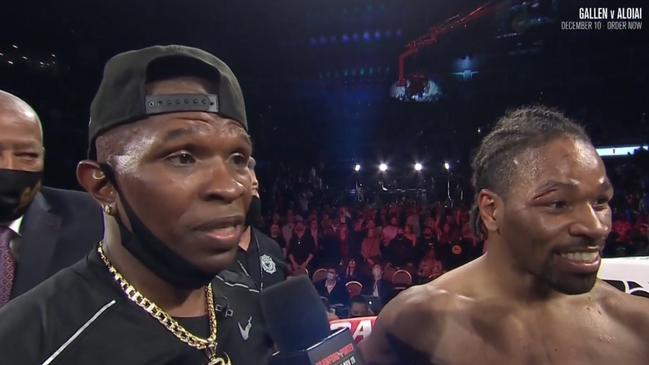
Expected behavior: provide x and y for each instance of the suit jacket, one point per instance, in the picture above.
(338, 295)
(386, 291)
(59, 228)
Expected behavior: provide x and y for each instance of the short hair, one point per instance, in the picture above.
(517, 131)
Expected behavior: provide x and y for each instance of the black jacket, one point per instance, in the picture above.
(58, 229)
(338, 295)
(386, 291)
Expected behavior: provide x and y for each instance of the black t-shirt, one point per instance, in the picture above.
(237, 292)
(301, 247)
(81, 316)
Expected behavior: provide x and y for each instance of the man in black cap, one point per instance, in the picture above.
(41, 228)
(169, 154)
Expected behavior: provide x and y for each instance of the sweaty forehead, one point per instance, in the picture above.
(566, 160)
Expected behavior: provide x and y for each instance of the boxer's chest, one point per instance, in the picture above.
(533, 338)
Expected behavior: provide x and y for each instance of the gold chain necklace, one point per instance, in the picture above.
(206, 344)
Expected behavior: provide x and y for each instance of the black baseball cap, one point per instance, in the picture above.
(122, 98)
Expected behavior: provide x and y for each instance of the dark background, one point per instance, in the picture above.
(316, 74)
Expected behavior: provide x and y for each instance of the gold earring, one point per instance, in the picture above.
(98, 175)
(108, 209)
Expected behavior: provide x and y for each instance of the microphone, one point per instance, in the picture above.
(297, 322)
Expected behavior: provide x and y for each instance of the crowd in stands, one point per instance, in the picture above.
(366, 252)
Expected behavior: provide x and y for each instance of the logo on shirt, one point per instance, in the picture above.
(268, 264)
(245, 332)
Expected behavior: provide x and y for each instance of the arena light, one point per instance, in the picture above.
(357, 168)
(447, 166)
(619, 150)
(418, 167)
(383, 167)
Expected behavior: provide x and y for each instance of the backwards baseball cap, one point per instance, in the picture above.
(122, 98)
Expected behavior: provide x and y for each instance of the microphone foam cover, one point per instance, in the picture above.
(295, 314)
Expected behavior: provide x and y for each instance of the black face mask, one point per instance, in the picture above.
(152, 252)
(17, 190)
(254, 212)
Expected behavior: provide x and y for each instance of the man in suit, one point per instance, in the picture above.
(333, 289)
(42, 230)
(377, 287)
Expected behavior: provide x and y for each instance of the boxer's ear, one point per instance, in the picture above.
(488, 204)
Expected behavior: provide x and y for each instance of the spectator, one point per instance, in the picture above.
(390, 231)
(360, 307)
(314, 232)
(427, 241)
(430, 268)
(413, 221)
(287, 230)
(400, 251)
(410, 235)
(343, 238)
(301, 249)
(276, 234)
(353, 272)
(377, 286)
(329, 254)
(371, 247)
(333, 289)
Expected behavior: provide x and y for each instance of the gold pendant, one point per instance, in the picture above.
(216, 360)
(219, 361)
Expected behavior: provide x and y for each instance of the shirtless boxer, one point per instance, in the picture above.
(534, 298)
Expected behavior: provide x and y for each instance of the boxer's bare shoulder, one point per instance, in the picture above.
(404, 326)
(629, 311)
(411, 326)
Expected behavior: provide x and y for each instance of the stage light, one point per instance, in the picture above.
(447, 166)
(383, 167)
(14, 46)
(10, 62)
(619, 150)
(357, 168)
(366, 36)
(418, 167)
